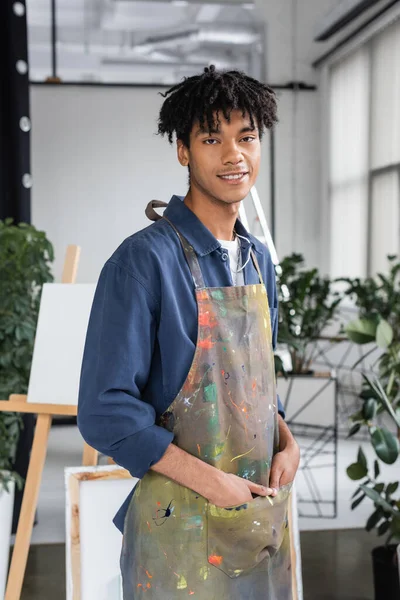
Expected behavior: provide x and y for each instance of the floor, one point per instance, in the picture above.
(336, 566)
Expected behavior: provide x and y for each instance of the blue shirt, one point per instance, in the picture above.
(142, 335)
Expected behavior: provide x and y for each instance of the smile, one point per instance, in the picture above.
(234, 178)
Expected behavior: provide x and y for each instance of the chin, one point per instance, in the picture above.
(235, 196)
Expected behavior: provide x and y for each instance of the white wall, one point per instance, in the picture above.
(96, 163)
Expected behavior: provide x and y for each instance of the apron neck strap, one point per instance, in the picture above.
(191, 258)
(257, 266)
(188, 250)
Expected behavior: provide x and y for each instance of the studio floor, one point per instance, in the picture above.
(336, 566)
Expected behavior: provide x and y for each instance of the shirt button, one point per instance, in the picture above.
(224, 256)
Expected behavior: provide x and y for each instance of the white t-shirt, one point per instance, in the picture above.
(232, 247)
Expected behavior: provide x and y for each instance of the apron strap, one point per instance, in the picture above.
(151, 213)
(257, 266)
(188, 250)
(191, 258)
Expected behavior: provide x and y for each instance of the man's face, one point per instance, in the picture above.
(224, 163)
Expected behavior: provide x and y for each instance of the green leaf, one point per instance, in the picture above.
(383, 527)
(374, 519)
(376, 385)
(358, 416)
(357, 502)
(395, 527)
(24, 268)
(379, 501)
(384, 334)
(356, 471)
(361, 331)
(385, 444)
(377, 470)
(361, 459)
(379, 487)
(354, 429)
(392, 488)
(358, 491)
(369, 409)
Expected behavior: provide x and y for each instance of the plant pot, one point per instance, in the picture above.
(6, 512)
(386, 573)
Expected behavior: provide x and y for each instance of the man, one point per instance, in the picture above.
(177, 381)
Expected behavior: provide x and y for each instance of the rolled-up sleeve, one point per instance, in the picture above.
(113, 417)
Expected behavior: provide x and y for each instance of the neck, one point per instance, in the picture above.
(218, 217)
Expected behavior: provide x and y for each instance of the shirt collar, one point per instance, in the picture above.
(195, 232)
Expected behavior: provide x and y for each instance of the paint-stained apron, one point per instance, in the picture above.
(176, 543)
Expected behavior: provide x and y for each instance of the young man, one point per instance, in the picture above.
(177, 381)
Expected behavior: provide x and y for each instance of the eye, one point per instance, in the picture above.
(248, 139)
(210, 141)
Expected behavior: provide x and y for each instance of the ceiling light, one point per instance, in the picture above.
(180, 3)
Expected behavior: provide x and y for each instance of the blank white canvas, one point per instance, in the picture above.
(100, 540)
(59, 344)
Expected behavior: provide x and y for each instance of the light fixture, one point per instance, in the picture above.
(19, 9)
(180, 3)
(25, 124)
(22, 67)
(27, 181)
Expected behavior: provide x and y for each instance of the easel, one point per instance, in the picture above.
(45, 412)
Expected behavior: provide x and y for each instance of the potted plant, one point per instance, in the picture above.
(378, 300)
(25, 257)
(307, 306)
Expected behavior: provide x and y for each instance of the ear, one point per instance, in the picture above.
(183, 153)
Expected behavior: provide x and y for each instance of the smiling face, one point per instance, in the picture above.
(224, 162)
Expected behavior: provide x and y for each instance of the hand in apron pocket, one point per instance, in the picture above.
(241, 537)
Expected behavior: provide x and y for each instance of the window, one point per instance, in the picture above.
(364, 170)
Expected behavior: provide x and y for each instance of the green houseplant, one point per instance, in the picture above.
(378, 301)
(307, 306)
(25, 259)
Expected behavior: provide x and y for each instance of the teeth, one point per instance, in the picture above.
(239, 176)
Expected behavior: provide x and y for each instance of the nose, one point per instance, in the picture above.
(232, 154)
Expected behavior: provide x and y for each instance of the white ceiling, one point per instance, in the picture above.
(147, 41)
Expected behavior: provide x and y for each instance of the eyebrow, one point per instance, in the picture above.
(203, 130)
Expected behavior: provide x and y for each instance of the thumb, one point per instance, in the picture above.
(274, 478)
(260, 490)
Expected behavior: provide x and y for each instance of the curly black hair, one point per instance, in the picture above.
(200, 99)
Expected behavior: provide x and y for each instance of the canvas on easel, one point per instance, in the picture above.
(53, 390)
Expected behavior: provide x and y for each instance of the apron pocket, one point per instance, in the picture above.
(241, 537)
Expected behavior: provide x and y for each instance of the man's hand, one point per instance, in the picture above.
(222, 489)
(225, 489)
(234, 490)
(286, 462)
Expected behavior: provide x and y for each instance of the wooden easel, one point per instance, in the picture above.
(45, 412)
